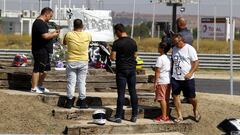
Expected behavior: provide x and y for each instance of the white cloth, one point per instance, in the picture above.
(182, 59)
(164, 64)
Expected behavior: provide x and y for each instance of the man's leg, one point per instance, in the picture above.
(81, 82)
(132, 92)
(35, 78)
(42, 76)
(121, 86)
(177, 104)
(193, 101)
(176, 90)
(71, 81)
(191, 93)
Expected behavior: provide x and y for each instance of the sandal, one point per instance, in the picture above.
(160, 118)
(198, 117)
(178, 120)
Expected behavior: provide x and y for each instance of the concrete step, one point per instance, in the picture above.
(93, 98)
(97, 99)
(61, 77)
(142, 126)
(22, 81)
(86, 114)
(165, 133)
(9, 69)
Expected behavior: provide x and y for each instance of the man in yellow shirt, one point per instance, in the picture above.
(77, 42)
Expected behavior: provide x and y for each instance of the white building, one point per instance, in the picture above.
(20, 22)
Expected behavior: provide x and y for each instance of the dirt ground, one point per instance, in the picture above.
(24, 114)
(27, 115)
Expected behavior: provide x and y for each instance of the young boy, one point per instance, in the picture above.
(162, 81)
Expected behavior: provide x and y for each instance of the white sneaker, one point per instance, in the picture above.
(43, 89)
(37, 90)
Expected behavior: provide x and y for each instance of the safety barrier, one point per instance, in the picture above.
(207, 61)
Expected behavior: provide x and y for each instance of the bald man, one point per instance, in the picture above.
(183, 31)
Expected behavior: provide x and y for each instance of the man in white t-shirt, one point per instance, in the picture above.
(185, 63)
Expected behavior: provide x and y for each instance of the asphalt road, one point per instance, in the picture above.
(217, 86)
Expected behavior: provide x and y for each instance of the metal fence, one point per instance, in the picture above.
(207, 61)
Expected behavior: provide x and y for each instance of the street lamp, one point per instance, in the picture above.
(133, 18)
(231, 48)
(153, 18)
(198, 25)
(4, 7)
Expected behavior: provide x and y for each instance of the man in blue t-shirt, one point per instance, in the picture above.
(183, 31)
(124, 52)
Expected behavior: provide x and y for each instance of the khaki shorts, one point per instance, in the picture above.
(162, 92)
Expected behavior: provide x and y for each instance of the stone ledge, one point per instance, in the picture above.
(126, 127)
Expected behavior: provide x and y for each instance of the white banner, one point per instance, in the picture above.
(97, 22)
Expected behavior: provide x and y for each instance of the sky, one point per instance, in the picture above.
(142, 6)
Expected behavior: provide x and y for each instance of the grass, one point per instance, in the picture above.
(15, 41)
(146, 44)
(205, 46)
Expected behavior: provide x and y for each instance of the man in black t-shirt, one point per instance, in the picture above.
(124, 52)
(41, 48)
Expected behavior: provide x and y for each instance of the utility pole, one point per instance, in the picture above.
(88, 4)
(69, 3)
(174, 13)
(133, 18)
(175, 4)
(198, 25)
(231, 48)
(153, 20)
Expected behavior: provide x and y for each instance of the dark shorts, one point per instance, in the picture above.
(41, 61)
(187, 86)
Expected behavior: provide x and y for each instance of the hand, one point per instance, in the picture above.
(155, 86)
(57, 32)
(188, 76)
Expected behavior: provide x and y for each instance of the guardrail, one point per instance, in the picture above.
(207, 61)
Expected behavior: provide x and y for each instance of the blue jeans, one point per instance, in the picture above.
(76, 72)
(124, 77)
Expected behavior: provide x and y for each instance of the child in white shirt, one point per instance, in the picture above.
(162, 81)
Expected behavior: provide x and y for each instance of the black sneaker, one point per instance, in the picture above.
(116, 120)
(133, 119)
(69, 104)
(83, 103)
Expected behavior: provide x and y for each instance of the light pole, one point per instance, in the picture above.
(153, 19)
(133, 18)
(215, 21)
(231, 48)
(198, 25)
(69, 4)
(4, 7)
(59, 10)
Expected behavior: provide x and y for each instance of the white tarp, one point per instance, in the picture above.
(97, 22)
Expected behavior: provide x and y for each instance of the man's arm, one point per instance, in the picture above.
(135, 54)
(192, 70)
(113, 56)
(50, 35)
(64, 40)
